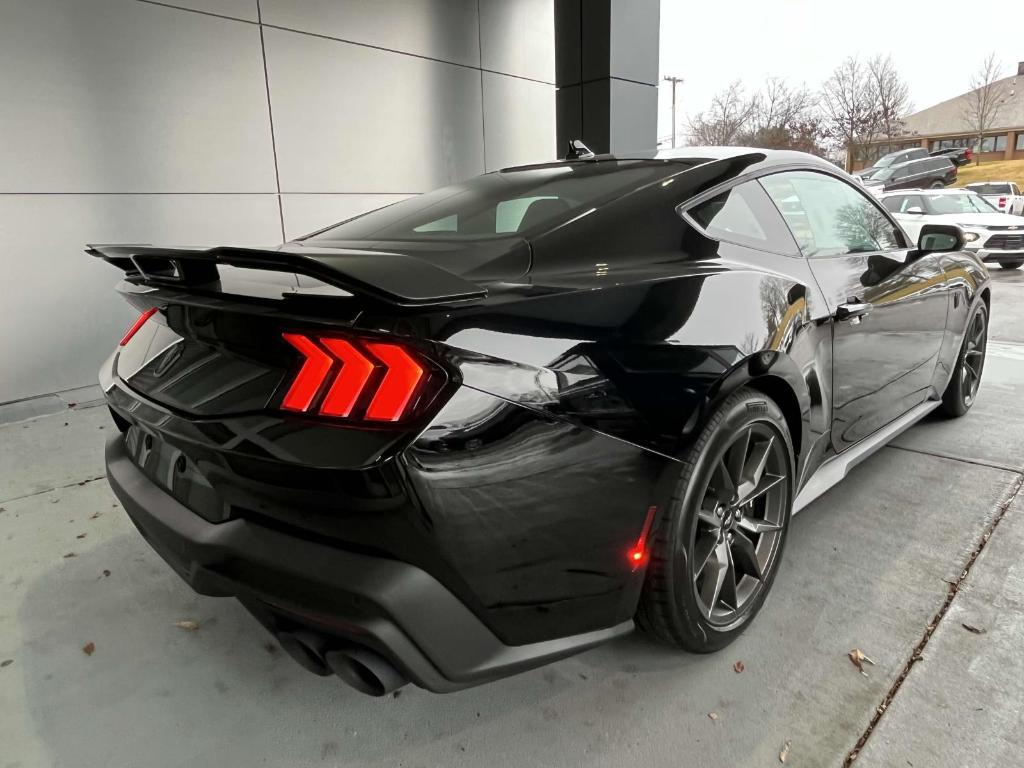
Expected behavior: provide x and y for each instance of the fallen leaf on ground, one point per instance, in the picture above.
(738, 667)
(6, 662)
(72, 405)
(81, 536)
(975, 630)
(858, 658)
(188, 624)
(713, 715)
(70, 554)
(3, 509)
(784, 753)
(94, 515)
(106, 572)
(88, 648)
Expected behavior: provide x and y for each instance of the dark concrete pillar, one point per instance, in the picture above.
(606, 71)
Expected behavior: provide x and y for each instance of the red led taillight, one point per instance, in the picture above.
(351, 379)
(354, 379)
(311, 375)
(139, 322)
(1002, 202)
(399, 383)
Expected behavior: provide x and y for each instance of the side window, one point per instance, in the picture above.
(829, 217)
(744, 215)
(893, 203)
(912, 201)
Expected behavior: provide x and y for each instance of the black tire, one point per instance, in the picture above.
(674, 603)
(1011, 264)
(970, 364)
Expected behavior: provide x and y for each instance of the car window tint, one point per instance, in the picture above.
(503, 203)
(829, 217)
(912, 201)
(509, 214)
(893, 203)
(744, 215)
(965, 203)
(990, 189)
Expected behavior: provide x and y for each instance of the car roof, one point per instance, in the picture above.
(951, 191)
(696, 155)
(984, 183)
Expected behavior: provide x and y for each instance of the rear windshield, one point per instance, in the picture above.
(990, 189)
(943, 204)
(503, 203)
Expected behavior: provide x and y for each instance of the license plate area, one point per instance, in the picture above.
(176, 473)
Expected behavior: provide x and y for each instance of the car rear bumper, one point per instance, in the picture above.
(395, 609)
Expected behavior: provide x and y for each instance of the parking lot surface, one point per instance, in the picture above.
(869, 566)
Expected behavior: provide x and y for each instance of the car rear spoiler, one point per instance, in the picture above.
(392, 278)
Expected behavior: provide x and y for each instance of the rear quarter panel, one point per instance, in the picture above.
(579, 396)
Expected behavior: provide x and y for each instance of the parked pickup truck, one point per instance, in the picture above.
(1004, 195)
(959, 155)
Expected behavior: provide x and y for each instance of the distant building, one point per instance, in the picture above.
(945, 125)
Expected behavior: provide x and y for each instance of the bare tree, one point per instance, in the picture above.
(850, 106)
(776, 117)
(779, 106)
(892, 97)
(726, 119)
(985, 101)
(785, 118)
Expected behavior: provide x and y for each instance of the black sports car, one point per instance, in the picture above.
(502, 422)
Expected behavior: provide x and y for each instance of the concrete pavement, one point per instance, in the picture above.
(867, 567)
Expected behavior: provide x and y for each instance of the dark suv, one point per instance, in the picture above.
(893, 158)
(926, 172)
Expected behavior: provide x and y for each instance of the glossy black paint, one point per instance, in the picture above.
(573, 391)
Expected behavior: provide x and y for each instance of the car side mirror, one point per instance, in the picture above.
(914, 209)
(940, 238)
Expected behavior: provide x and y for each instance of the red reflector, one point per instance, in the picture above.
(637, 556)
(310, 377)
(399, 384)
(139, 322)
(348, 385)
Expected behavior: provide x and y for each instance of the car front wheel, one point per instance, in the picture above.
(1010, 264)
(718, 542)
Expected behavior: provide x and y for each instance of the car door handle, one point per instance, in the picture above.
(852, 309)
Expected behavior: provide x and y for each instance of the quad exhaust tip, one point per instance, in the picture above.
(365, 670)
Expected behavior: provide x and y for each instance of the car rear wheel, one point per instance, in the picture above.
(719, 540)
(963, 386)
(1011, 264)
(937, 185)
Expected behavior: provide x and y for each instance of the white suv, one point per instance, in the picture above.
(994, 236)
(1004, 195)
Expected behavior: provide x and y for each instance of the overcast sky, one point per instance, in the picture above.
(936, 46)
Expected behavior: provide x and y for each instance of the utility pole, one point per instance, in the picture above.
(675, 81)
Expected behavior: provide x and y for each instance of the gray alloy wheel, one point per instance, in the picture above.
(739, 524)
(718, 540)
(937, 185)
(963, 385)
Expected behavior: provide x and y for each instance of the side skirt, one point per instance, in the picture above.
(835, 469)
